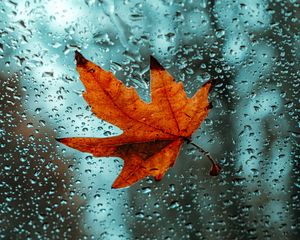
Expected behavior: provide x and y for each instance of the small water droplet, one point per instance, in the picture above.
(174, 204)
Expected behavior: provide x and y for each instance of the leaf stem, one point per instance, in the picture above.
(207, 154)
(216, 168)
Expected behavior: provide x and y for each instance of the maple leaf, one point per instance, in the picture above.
(153, 133)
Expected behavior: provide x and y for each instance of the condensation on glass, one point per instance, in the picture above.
(249, 48)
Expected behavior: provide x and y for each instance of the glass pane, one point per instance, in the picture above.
(248, 48)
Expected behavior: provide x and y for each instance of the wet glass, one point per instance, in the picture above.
(249, 48)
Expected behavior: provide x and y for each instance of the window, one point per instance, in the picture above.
(249, 48)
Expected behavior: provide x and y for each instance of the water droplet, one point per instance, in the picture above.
(174, 204)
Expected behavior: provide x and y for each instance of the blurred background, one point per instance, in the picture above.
(250, 48)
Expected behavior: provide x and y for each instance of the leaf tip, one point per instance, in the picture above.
(61, 140)
(154, 64)
(117, 186)
(211, 84)
(80, 59)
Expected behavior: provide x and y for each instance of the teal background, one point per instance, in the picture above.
(250, 48)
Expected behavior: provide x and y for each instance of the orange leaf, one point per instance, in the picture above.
(152, 132)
